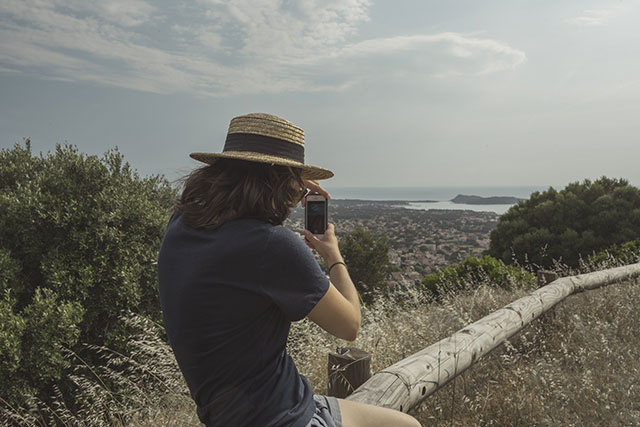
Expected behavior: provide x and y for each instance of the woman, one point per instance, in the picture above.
(232, 279)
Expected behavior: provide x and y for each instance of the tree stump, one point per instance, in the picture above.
(348, 369)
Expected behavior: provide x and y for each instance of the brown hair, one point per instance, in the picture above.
(231, 189)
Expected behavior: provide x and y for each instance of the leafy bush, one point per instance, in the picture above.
(475, 271)
(565, 225)
(367, 257)
(79, 237)
(626, 253)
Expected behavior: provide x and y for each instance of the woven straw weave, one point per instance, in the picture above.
(271, 126)
(267, 125)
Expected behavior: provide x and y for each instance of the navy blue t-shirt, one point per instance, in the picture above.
(228, 298)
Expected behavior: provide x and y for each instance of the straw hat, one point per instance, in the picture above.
(265, 138)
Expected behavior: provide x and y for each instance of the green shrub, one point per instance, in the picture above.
(473, 272)
(565, 225)
(367, 257)
(33, 338)
(11, 330)
(626, 253)
(79, 237)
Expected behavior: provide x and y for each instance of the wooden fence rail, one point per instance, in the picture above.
(405, 384)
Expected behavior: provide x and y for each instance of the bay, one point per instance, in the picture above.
(447, 205)
(438, 197)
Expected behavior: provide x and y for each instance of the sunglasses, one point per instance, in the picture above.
(304, 193)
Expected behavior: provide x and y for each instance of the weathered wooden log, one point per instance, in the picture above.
(348, 369)
(408, 382)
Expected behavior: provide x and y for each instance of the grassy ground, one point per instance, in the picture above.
(578, 365)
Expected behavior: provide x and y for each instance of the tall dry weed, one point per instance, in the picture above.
(576, 366)
(120, 390)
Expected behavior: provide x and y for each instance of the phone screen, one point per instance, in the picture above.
(316, 216)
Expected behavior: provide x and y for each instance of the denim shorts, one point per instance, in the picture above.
(327, 412)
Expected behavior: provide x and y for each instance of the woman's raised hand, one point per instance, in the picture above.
(327, 247)
(314, 187)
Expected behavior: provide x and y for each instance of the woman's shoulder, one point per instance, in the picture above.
(282, 234)
(284, 243)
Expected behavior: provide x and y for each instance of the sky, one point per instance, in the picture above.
(404, 93)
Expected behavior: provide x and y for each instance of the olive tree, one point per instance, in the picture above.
(367, 257)
(568, 224)
(79, 237)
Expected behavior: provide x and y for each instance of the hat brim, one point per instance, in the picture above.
(307, 171)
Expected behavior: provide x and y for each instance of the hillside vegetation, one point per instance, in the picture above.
(82, 344)
(79, 237)
(569, 224)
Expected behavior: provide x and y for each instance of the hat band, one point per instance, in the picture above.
(264, 145)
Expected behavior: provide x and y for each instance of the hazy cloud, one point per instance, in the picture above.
(127, 13)
(456, 53)
(218, 47)
(593, 17)
(8, 70)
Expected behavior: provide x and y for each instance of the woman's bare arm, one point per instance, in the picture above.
(338, 312)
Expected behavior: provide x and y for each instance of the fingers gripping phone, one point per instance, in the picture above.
(316, 214)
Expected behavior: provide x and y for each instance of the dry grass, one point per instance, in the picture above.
(121, 390)
(579, 365)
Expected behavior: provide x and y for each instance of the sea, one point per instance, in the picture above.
(426, 198)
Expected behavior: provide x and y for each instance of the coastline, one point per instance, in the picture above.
(381, 202)
(426, 205)
(429, 194)
(432, 198)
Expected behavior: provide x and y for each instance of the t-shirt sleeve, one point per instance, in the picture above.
(291, 276)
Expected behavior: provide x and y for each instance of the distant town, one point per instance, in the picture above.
(421, 241)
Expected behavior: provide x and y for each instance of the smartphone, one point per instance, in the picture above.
(316, 214)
